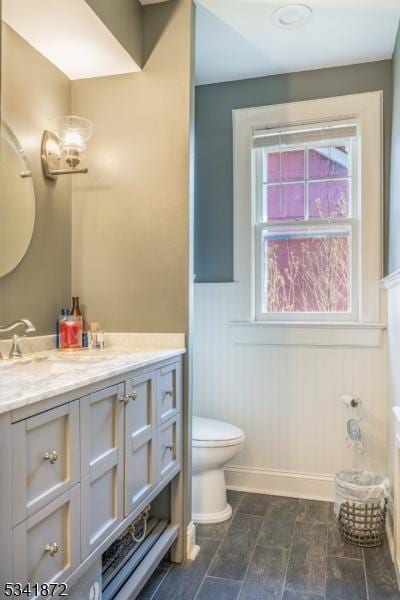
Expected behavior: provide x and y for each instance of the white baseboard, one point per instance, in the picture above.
(280, 483)
(192, 549)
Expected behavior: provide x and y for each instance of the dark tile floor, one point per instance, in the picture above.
(276, 549)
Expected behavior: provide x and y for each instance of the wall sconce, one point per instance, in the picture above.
(68, 142)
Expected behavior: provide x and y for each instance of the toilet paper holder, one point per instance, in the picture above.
(350, 401)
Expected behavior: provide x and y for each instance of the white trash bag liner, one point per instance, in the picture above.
(360, 486)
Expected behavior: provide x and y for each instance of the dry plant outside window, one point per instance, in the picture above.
(309, 273)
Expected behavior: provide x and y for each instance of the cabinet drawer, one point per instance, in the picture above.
(169, 392)
(101, 505)
(140, 404)
(45, 458)
(169, 445)
(102, 437)
(141, 473)
(46, 546)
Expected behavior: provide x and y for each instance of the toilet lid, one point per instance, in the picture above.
(211, 430)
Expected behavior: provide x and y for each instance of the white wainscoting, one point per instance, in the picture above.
(286, 397)
(392, 285)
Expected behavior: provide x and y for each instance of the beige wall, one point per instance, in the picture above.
(33, 93)
(130, 213)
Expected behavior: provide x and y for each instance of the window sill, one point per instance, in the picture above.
(301, 333)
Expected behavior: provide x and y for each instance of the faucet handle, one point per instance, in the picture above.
(15, 350)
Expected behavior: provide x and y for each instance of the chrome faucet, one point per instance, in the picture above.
(29, 327)
(15, 349)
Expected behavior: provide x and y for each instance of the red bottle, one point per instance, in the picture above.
(71, 328)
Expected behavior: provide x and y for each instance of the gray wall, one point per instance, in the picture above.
(214, 173)
(33, 93)
(394, 221)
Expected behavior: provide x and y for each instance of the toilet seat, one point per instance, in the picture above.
(211, 433)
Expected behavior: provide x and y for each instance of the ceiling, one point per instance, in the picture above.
(237, 39)
(70, 35)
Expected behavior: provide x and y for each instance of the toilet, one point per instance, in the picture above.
(214, 444)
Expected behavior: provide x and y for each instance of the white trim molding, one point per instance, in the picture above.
(312, 334)
(192, 548)
(390, 533)
(366, 110)
(391, 281)
(396, 486)
(280, 483)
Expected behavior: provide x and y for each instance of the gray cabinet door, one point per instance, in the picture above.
(46, 546)
(169, 392)
(102, 455)
(45, 458)
(141, 473)
(102, 433)
(169, 445)
(140, 407)
(101, 505)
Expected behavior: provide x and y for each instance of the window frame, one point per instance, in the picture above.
(259, 225)
(364, 109)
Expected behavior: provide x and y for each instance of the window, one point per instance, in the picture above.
(306, 221)
(308, 196)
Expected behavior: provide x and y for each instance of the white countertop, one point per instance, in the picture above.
(47, 374)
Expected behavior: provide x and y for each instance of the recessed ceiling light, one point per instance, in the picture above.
(292, 16)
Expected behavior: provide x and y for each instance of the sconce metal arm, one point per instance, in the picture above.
(56, 172)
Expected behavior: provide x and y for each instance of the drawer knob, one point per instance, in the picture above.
(52, 549)
(51, 456)
(125, 399)
(169, 447)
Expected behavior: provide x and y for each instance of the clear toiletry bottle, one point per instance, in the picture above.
(95, 336)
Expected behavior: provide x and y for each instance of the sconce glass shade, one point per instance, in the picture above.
(68, 141)
(73, 132)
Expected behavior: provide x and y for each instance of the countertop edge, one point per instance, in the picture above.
(38, 397)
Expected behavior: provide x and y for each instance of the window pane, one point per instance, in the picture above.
(285, 166)
(284, 201)
(329, 199)
(307, 272)
(328, 161)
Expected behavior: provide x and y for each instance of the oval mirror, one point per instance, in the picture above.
(17, 201)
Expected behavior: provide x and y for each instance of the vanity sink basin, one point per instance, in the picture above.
(77, 357)
(40, 366)
(8, 363)
(61, 362)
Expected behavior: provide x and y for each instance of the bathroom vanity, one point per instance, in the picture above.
(87, 441)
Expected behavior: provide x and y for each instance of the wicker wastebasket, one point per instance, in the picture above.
(361, 505)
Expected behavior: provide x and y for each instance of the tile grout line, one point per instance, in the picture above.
(252, 553)
(344, 557)
(251, 558)
(209, 567)
(328, 533)
(159, 585)
(223, 579)
(216, 552)
(365, 574)
(290, 552)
